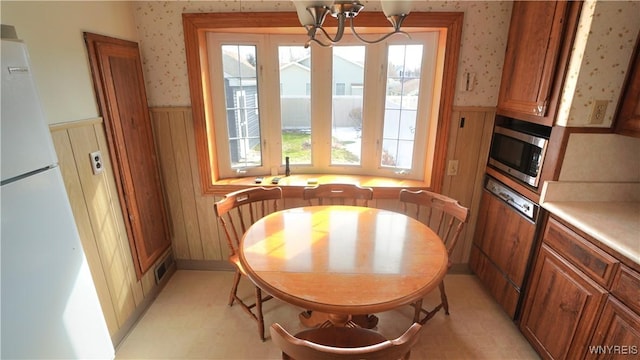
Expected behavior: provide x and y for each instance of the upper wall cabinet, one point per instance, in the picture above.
(540, 38)
(628, 119)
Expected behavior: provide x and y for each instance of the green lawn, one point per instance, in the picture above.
(297, 146)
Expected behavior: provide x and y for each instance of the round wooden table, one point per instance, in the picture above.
(343, 260)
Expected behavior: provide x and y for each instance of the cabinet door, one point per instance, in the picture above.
(628, 119)
(561, 308)
(617, 334)
(533, 48)
(504, 236)
(119, 83)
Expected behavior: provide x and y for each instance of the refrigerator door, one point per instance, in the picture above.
(50, 307)
(25, 140)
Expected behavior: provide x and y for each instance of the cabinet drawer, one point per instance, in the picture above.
(594, 262)
(626, 287)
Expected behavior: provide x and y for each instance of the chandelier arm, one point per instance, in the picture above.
(308, 43)
(311, 32)
(355, 33)
(339, 32)
(326, 34)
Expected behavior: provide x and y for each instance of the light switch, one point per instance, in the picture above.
(452, 168)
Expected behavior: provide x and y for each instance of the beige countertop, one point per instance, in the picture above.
(610, 213)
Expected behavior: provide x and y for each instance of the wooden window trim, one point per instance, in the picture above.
(197, 24)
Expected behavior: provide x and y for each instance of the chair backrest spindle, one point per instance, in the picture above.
(445, 215)
(240, 209)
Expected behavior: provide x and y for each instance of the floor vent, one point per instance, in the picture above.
(161, 269)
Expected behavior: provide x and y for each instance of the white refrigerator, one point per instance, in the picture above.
(49, 305)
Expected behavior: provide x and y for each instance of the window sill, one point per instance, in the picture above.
(383, 188)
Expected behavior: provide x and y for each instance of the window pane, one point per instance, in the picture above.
(401, 104)
(389, 152)
(295, 103)
(241, 95)
(348, 80)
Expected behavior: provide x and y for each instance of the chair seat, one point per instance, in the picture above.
(235, 260)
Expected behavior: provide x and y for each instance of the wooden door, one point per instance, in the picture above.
(119, 85)
(561, 308)
(533, 48)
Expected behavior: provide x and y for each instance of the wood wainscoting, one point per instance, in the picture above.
(99, 218)
(469, 141)
(198, 243)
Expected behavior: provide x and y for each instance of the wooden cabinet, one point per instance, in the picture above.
(502, 245)
(117, 74)
(617, 334)
(582, 302)
(540, 38)
(562, 307)
(628, 118)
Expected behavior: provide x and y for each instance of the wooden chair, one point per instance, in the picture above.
(343, 343)
(236, 212)
(338, 194)
(446, 217)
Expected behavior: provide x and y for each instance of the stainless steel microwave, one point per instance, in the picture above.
(518, 153)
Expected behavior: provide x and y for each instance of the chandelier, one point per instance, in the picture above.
(313, 13)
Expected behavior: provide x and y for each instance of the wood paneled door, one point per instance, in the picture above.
(119, 86)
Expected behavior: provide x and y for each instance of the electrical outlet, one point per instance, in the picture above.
(598, 111)
(96, 162)
(452, 168)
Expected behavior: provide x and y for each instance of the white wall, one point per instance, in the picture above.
(53, 32)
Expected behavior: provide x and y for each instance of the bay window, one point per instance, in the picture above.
(259, 96)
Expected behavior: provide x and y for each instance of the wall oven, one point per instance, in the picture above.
(518, 149)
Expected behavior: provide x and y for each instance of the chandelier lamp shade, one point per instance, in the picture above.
(313, 13)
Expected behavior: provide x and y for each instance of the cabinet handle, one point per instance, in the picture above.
(506, 197)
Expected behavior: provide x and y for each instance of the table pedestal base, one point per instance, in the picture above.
(320, 319)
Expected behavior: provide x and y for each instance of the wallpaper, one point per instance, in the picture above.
(161, 39)
(605, 38)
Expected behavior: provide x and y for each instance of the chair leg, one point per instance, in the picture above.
(417, 306)
(234, 288)
(443, 298)
(259, 315)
